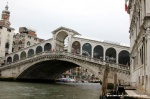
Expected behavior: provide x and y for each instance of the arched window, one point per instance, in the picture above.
(23, 55)
(20, 42)
(30, 52)
(76, 47)
(16, 57)
(47, 47)
(110, 55)
(9, 60)
(28, 43)
(87, 49)
(13, 43)
(124, 58)
(39, 49)
(98, 52)
(7, 45)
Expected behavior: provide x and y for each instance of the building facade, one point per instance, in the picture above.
(25, 38)
(6, 33)
(139, 11)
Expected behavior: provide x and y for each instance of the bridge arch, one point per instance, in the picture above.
(23, 55)
(50, 69)
(16, 57)
(76, 46)
(110, 55)
(46, 64)
(60, 40)
(124, 57)
(47, 47)
(30, 52)
(98, 52)
(87, 49)
(9, 59)
(39, 49)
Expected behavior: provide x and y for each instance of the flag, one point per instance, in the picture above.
(126, 7)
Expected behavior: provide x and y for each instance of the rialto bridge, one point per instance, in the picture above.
(50, 58)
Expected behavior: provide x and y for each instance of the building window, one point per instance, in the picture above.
(142, 80)
(13, 43)
(139, 80)
(7, 45)
(20, 42)
(146, 78)
(14, 36)
(35, 39)
(28, 43)
(29, 36)
(9, 30)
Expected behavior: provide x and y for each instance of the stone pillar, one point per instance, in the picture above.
(54, 42)
(92, 51)
(115, 80)
(104, 55)
(81, 48)
(105, 80)
(148, 58)
(117, 57)
(69, 42)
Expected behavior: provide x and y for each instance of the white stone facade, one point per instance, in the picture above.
(6, 39)
(139, 11)
(6, 33)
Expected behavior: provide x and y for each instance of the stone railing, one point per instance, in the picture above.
(66, 54)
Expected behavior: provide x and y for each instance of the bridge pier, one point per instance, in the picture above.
(105, 81)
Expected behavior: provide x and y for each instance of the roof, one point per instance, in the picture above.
(67, 29)
(105, 41)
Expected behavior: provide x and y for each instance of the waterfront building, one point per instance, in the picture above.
(25, 38)
(139, 11)
(6, 33)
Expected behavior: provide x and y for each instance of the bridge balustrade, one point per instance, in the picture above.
(73, 55)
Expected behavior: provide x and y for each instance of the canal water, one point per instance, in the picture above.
(23, 90)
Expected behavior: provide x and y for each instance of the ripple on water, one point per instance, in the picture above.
(20, 90)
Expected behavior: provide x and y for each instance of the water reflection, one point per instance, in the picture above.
(21, 90)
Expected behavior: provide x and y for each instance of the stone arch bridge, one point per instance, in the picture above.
(50, 58)
(49, 65)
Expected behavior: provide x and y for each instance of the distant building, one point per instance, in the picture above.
(139, 11)
(6, 33)
(25, 38)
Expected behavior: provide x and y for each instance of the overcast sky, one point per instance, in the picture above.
(100, 19)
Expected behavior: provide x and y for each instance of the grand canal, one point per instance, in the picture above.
(23, 90)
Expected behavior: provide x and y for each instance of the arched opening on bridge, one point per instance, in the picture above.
(76, 47)
(39, 49)
(47, 47)
(110, 55)
(124, 58)
(9, 59)
(87, 50)
(16, 57)
(23, 55)
(98, 52)
(30, 52)
(61, 41)
(50, 69)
